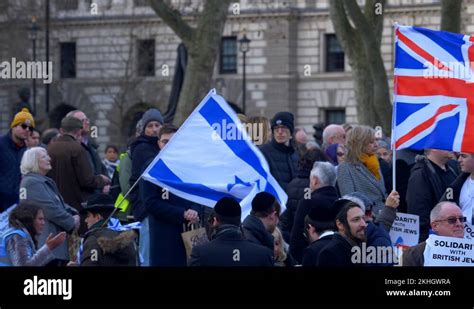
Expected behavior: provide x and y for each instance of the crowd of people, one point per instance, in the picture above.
(339, 196)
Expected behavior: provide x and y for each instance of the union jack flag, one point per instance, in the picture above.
(433, 90)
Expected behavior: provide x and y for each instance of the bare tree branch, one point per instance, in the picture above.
(174, 20)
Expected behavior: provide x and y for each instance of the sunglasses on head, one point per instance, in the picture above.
(25, 126)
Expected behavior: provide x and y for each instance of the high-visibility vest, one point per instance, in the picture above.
(125, 204)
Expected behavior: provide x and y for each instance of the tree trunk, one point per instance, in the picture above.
(203, 43)
(451, 15)
(362, 46)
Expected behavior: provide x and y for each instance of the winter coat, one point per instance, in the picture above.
(254, 231)
(357, 178)
(455, 188)
(405, 160)
(311, 253)
(21, 249)
(322, 197)
(337, 253)
(413, 256)
(228, 248)
(166, 217)
(282, 160)
(425, 189)
(143, 150)
(105, 247)
(58, 215)
(295, 190)
(10, 175)
(72, 172)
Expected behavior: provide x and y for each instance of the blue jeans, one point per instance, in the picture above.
(144, 243)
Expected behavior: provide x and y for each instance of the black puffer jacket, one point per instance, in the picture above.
(282, 160)
(295, 190)
(143, 149)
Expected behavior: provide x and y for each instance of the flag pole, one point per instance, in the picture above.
(120, 203)
(394, 107)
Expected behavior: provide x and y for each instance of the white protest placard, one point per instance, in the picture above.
(4, 218)
(448, 251)
(468, 230)
(405, 230)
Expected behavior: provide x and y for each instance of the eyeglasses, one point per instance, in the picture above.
(340, 154)
(164, 141)
(454, 220)
(25, 126)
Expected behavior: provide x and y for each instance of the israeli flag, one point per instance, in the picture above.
(4, 225)
(210, 157)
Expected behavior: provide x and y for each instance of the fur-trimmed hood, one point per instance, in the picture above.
(115, 244)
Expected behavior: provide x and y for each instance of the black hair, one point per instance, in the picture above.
(113, 147)
(309, 157)
(263, 214)
(225, 219)
(23, 216)
(319, 226)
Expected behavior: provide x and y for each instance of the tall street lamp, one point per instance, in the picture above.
(33, 36)
(244, 47)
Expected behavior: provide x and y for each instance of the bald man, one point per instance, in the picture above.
(333, 134)
(446, 220)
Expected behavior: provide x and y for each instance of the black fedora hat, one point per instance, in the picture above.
(98, 203)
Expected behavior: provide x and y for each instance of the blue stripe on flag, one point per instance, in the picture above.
(213, 113)
(161, 171)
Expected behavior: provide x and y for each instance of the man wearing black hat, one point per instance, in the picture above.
(228, 247)
(102, 246)
(260, 224)
(319, 230)
(279, 152)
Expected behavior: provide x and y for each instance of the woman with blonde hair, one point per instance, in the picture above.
(361, 170)
(280, 251)
(259, 130)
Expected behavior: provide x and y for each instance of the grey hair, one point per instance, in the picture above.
(72, 113)
(325, 171)
(435, 212)
(139, 126)
(30, 160)
(329, 132)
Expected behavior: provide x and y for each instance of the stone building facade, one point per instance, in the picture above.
(287, 65)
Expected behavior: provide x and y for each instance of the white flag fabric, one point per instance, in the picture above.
(211, 157)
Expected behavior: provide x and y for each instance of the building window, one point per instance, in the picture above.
(335, 116)
(228, 56)
(68, 59)
(67, 5)
(138, 3)
(146, 57)
(334, 54)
